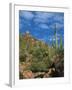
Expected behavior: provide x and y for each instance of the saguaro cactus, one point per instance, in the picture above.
(61, 44)
(55, 34)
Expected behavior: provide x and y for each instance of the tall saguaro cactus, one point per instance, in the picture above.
(61, 44)
(55, 33)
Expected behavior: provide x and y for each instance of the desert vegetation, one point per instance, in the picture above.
(37, 59)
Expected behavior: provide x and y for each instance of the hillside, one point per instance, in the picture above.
(39, 60)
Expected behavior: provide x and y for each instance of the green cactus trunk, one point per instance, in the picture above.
(61, 44)
(56, 42)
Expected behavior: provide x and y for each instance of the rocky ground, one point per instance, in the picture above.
(53, 71)
(29, 74)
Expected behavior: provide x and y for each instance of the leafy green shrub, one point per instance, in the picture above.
(38, 67)
(40, 55)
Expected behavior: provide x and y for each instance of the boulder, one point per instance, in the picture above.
(27, 74)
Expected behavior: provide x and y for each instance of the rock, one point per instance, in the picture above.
(49, 73)
(51, 70)
(39, 74)
(27, 74)
(46, 75)
(23, 66)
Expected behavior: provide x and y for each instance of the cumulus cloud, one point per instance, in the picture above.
(43, 26)
(39, 20)
(42, 17)
(26, 14)
(57, 25)
(59, 18)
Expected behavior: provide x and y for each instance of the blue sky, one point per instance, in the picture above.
(41, 24)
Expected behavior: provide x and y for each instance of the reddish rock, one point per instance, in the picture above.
(28, 74)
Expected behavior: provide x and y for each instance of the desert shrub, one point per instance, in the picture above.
(40, 59)
(42, 55)
(22, 55)
(38, 66)
(22, 58)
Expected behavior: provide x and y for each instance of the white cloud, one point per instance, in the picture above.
(43, 26)
(39, 20)
(42, 17)
(59, 18)
(59, 25)
(56, 25)
(26, 14)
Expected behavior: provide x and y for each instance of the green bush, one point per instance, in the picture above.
(38, 67)
(40, 55)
